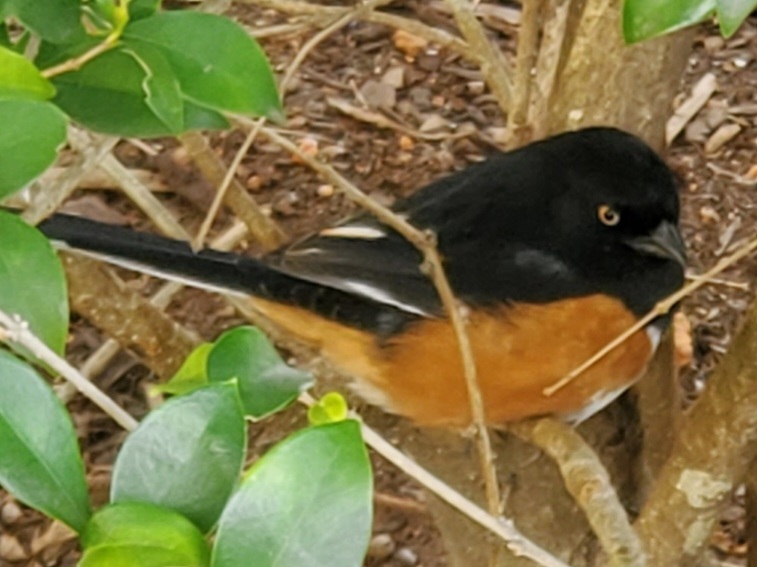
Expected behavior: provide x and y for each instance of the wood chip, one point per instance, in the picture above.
(700, 94)
(721, 137)
(408, 43)
(708, 215)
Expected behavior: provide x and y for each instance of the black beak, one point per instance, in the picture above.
(663, 242)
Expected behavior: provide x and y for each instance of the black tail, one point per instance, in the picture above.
(219, 270)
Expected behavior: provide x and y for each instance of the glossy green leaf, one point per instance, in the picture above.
(266, 383)
(643, 19)
(142, 535)
(160, 86)
(732, 13)
(125, 92)
(192, 374)
(32, 282)
(19, 78)
(331, 408)
(139, 9)
(39, 456)
(31, 133)
(307, 503)
(217, 63)
(57, 21)
(186, 455)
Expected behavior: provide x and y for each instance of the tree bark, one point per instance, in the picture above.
(716, 444)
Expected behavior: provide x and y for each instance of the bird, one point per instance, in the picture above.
(553, 249)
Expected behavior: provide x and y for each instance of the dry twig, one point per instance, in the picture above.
(14, 330)
(494, 66)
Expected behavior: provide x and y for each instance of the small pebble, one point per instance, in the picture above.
(10, 513)
(406, 556)
(406, 143)
(325, 190)
(381, 546)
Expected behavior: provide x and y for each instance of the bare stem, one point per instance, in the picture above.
(494, 66)
(17, 331)
(199, 239)
(78, 62)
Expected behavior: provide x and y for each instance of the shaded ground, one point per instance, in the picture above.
(447, 121)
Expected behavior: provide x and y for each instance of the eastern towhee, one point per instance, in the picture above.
(555, 249)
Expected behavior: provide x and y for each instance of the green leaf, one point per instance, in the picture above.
(19, 78)
(331, 408)
(217, 63)
(127, 91)
(732, 13)
(307, 503)
(31, 134)
(139, 9)
(32, 282)
(39, 456)
(57, 21)
(186, 455)
(200, 118)
(160, 86)
(142, 535)
(643, 19)
(266, 383)
(192, 374)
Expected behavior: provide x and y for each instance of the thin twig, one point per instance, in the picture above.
(262, 228)
(134, 189)
(494, 67)
(548, 64)
(528, 48)
(743, 286)
(503, 528)
(17, 331)
(207, 223)
(660, 309)
(425, 242)
(78, 62)
(334, 26)
(46, 198)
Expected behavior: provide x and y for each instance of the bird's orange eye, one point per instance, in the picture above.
(607, 215)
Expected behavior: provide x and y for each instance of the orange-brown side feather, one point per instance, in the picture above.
(519, 351)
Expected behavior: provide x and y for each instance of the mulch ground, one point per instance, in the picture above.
(448, 120)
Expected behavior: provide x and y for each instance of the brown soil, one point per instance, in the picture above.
(440, 94)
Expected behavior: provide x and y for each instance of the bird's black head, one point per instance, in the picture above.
(591, 211)
(617, 215)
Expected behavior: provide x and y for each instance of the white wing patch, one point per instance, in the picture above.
(381, 296)
(354, 231)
